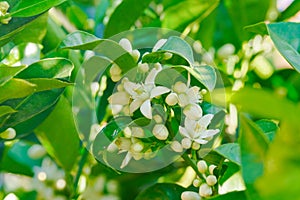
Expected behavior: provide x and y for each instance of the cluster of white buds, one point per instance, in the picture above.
(132, 144)
(4, 15)
(8, 134)
(205, 187)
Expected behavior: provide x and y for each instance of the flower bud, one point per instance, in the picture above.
(196, 183)
(167, 55)
(143, 67)
(193, 111)
(195, 146)
(125, 43)
(3, 7)
(136, 55)
(158, 119)
(176, 146)
(123, 143)
(211, 168)
(189, 195)
(205, 190)
(171, 99)
(8, 134)
(115, 70)
(127, 132)
(226, 50)
(211, 180)
(138, 132)
(180, 87)
(137, 147)
(186, 143)
(202, 166)
(160, 132)
(36, 151)
(116, 78)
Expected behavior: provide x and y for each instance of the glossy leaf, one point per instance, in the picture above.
(80, 40)
(161, 191)
(4, 110)
(16, 88)
(286, 39)
(59, 136)
(30, 8)
(43, 84)
(254, 146)
(7, 73)
(123, 18)
(239, 195)
(194, 10)
(48, 68)
(268, 127)
(230, 151)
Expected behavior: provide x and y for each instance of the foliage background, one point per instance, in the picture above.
(46, 160)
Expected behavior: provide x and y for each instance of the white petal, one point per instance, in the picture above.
(184, 132)
(135, 104)
(209, 133)
(159, 44)
(146, 109)
(119, 98)
(190, 125)
(200, 141)
(194, 94)
(150, 79)
(130, 87)
(205, 120)
(126, 160)
(125, 43)
(193, 111)
(159, 90)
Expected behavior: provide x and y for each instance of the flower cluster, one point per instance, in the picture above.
(205, 187)
(4, 15)
(134, 94)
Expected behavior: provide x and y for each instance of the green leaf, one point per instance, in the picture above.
(48, 68)
(123, 18)
(254, 146)
(43, 84)
(258, 28)
(161, 191)
(94, 67)
(285, 36)
(185, 12)
(16, 25)
(16, 159)
(77, 16)
(238, 195)
(59, 136)
(268, 127)
(16, 88)
(80, 40)
(4, 110)
(241, 14)
(231, 151)
(26, 8)
(180, 47)
(7, 73)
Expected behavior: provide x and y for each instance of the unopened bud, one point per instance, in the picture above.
(127, 132)
(136, 55)
(8, 134)
(138, 132)
(205, 190)
(176, 146)
(115, 70)
(171, 99)
(160, 132)
(4, 7)
(180, 87)
(36, 151)
(143, 67)
(137, 147)
(158, 119)
(196, 183)
(211, 168)
(186, 143)
(211, 180)
(195, 146)
(202, 166)
(193, 111)
(189, 195)
(167, 55)
(125, 43)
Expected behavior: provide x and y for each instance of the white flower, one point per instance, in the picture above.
(143, 93)
(197, 130)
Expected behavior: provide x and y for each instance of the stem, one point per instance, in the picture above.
(80, 168)
(191, 163)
